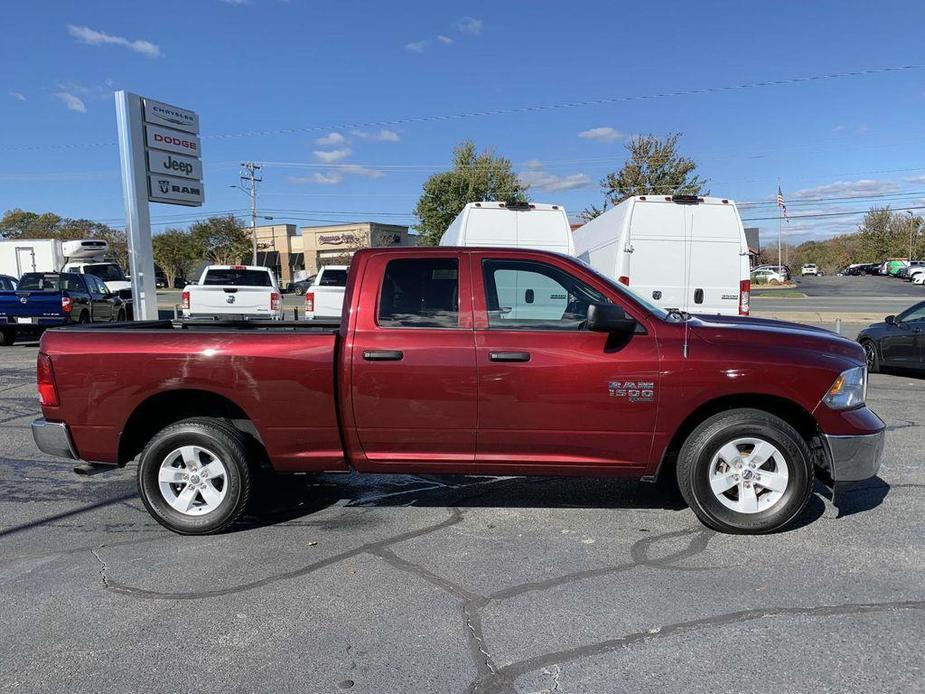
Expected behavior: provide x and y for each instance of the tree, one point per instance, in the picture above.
(654, 167)
(474, 177)
(22, 224)
(175, 252)
(221, 240)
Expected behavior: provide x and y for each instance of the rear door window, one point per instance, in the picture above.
(333, 278)
(238, 278)
(420, 293)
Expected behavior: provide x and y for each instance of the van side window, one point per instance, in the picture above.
(420, 293)
(528, 295)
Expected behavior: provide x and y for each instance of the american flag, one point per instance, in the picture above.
(781, 205)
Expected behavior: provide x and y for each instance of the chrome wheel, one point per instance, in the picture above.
(193, 480)
(749, 475)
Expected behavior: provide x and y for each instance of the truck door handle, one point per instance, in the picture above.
(509, 356)
(383, 355)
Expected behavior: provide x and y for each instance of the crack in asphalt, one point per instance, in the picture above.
(503, 680)
(103, 567)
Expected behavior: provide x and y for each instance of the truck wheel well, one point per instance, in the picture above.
(164, 409)
(791, 412)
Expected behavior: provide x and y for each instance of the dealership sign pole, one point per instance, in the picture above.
(160, 154)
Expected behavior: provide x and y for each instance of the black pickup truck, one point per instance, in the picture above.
(47, 299)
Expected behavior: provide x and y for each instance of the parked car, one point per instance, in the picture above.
(765, 275)
(914, 271)
(433, 371)
(783, 270)
(905, 270)
(45, 299)
(809, 269)
(894, 266)
(324, 299)
(919, 278)
(897, 341)
(301, 286)
(233, 291)
(681, 251)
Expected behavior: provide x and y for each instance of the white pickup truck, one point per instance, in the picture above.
(324, 299)
(233, 291)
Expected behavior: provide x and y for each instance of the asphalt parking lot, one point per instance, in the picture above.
(419, 584)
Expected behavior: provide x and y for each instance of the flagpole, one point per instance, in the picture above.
(780, 225)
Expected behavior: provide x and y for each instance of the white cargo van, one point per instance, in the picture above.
(511, 225)
(684, 252)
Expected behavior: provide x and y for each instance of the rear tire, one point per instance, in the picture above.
(194, 477)
(84, 317)
(7, 337)
(726, 463)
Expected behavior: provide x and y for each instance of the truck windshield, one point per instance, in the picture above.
(108, 272)
(238, 278)
(333, 278)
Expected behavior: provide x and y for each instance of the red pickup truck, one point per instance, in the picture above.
(473, 361)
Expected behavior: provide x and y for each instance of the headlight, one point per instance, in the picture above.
(849, 389)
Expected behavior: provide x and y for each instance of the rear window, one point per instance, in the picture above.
(50, 282)
(333, 278)
(420, 293)
(238, 278)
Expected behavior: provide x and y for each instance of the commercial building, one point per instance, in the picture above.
(296, 253)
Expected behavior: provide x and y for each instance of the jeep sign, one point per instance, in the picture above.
(178, 191)
(173, 164)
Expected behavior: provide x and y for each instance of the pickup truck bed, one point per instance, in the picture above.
(429, 372)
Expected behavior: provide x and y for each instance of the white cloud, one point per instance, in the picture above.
(533, 164)
(92, 37)
(470, 25)
(359, 170)
(605, 134)
(446, 40)
(331, 156)
(864, 186)
(324, 179)
(381, 136)
(916, 179)
(236, 2)
(417, 46)
(73, 103)
(331, 139)
(19, 96)
(550, 183)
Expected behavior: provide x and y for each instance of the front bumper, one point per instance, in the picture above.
(53, 438)
(854, 458)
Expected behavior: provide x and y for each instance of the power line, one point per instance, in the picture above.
(535, 108)
(826, 214)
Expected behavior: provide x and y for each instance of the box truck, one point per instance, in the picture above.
(684, 252)
(86, 256)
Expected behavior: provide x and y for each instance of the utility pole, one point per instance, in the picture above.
(249, 181)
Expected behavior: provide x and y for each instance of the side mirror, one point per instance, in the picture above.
(609, 318)
(890, 320)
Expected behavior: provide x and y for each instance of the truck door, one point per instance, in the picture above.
(25, 260)
(413, 380)
(551, 393)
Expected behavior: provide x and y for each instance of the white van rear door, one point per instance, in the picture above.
(715, 259)
(657, 261)
(490, 227)
(544, 230)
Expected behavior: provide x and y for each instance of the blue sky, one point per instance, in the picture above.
(282, 82)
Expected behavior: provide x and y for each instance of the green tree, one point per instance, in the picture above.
(221, 240)
(175, 252)
(474, 177)
(22, 224)
(654, 167)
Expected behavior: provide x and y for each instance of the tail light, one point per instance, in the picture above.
(274, 301)
(745, 288)
(624, 280)
(185, 300)
(309, 302)
(67, 304)
(45, 376)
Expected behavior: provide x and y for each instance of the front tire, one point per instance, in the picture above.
(870, 354)
(120, 317)
(745, 471)
(194, 477)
